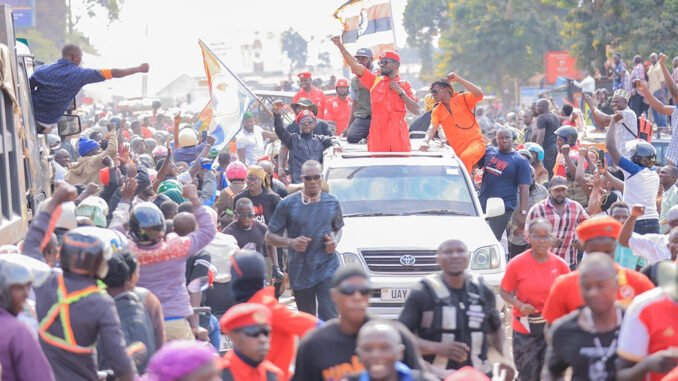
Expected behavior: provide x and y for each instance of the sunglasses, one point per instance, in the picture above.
(349, 290)
(434, 92)
(248, 215)
(311, 178)
(386, 62)
(306, 122)
(253, 179)
(254, 331)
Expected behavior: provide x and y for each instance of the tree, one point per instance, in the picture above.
(495, 42)
(593, 29)
(423, 20)
(295, 47)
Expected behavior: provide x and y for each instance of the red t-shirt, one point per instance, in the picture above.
(315, 95)
(565, 295)
(531, 281)
(339, 111)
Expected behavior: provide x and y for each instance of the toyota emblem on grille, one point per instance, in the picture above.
(407, 260)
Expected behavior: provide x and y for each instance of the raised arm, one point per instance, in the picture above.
(668, 79)
(468, 85)
(355, 66)
(600, 117)
(610, 138)
(284, 135)
(120, 73)
(655, 103)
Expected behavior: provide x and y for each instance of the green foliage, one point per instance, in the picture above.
(423, 20)
(494, 42)
(593, 29)
(296, 48)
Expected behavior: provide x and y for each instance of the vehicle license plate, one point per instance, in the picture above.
(394, 294)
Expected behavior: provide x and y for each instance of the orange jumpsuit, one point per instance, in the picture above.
(233, 368)
(286, 326)
(388, 129)
(315, 95)
(461, 128)
(339, 111)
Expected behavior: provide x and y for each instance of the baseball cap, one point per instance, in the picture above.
(558, 182)
(364, 52)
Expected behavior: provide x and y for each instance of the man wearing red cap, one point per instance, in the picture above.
(249, 326)
(596, 235)
(338, 108)
(311, 92)
(391, 98)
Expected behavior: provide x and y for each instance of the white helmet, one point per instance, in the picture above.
(19, 269)
(188, 137)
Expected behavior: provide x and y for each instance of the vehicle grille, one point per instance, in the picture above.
(388, 261)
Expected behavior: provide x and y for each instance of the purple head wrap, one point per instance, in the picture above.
(178, 359)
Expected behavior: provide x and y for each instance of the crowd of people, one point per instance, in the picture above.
(155, 246)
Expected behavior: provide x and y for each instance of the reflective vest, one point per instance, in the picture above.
(446, 326)
(61, 309)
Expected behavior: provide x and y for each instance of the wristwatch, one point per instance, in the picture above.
(523, 212)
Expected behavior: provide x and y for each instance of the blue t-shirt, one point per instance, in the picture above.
(314, 220)
(54, 86)
(504, 172)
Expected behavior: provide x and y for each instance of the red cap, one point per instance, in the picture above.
(467, 373)
(304, 75)
(341, 82)
(303, 114)
(105, 175)
(245, 315)
(391, 55)
(598, 228)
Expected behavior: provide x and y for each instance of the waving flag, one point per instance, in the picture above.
(367, 24)
(230, 99)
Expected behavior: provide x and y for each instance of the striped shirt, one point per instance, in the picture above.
(563, 225)
(672, 150)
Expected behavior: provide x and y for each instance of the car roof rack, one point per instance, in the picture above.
(363, 154)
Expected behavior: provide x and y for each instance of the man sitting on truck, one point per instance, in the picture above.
(54, 86)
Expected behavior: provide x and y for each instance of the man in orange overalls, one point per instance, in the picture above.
(454, 113)
(391, 99)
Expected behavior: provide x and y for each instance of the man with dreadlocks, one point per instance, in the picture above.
(454, 112)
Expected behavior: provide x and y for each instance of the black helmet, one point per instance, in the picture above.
(156, 104)
(83, 252)
(146, 224)
(117, 121)
(643, 150)
(568, 133)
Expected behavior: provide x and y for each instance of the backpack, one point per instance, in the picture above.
(135, 321)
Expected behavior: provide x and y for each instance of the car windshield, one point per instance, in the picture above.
(401, 190)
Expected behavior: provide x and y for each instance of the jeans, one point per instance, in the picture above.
(358, 130)
(498, 224)
(659, 118)
(649, 226)
(550, 154)
(214, 332)
(306, 300)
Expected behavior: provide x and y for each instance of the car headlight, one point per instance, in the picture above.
(485, 258)
(351, 259)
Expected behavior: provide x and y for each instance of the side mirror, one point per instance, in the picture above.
(69, 125)
(495, 207)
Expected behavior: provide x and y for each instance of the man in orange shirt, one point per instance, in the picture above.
(338, 108)
(311, 92)
(596, 235)
(249, 326)
(454, 113)
(391, 99)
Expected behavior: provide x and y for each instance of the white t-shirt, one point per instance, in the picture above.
(652, 247)
(252, 143)
(623, 135)
(641, 186)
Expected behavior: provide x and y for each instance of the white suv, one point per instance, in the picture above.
(398, 208)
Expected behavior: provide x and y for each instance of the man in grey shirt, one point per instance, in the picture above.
(361, 112)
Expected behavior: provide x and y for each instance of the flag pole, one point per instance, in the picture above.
(395, 43)
(235, 76)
